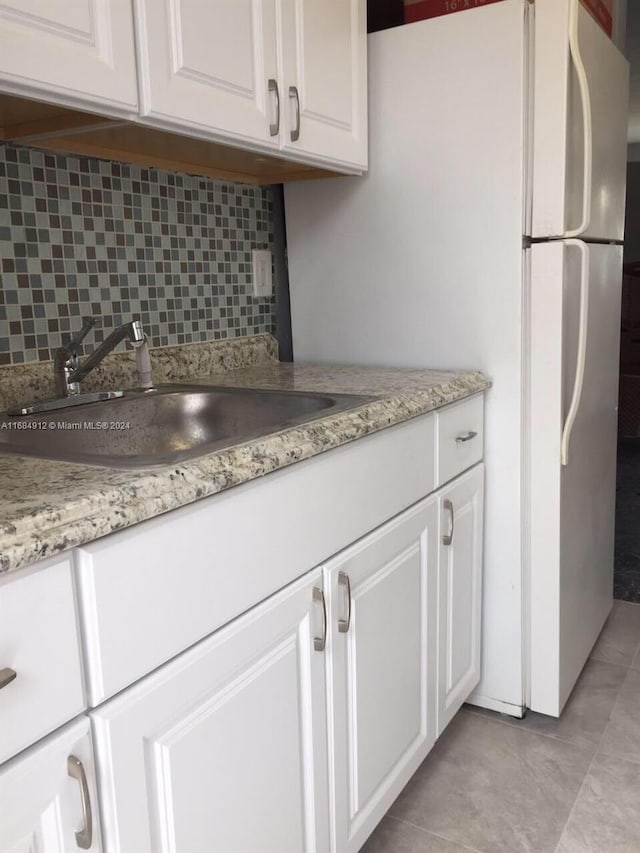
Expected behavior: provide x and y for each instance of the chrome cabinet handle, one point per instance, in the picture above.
(6, 676)
(466, 436)
(84, 836)
(274, 127)
(343, 580)
(320, 642)
(447, 539)
(293, 93)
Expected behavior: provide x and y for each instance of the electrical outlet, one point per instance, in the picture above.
(261, 272)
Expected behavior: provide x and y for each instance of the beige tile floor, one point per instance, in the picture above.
(497, 785)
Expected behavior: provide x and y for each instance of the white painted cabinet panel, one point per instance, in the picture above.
(205, 561)
(382, 666)
(42, 804)
(325, 79)
(75, 52)
(459, 592)
(224, 748)
(207, 66)
(40, 643)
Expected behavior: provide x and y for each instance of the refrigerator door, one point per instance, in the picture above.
(581, 97)
(572, 505)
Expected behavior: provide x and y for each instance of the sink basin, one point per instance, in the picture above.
(165, 425)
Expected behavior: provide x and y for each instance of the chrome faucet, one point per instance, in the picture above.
(69, 371)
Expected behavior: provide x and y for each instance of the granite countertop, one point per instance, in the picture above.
(48, 507)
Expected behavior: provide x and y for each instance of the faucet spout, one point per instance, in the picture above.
(69, 372)
(132, 330)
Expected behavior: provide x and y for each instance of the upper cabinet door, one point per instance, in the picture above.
(75, 52)
(324, 78)
(207, 66)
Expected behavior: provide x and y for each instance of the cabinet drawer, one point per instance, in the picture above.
(149, 592)
(39, 641)
(460, 438)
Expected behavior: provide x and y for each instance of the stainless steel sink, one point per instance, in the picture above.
(164, 425)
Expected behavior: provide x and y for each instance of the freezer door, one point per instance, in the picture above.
(572, 505)
(570, 119)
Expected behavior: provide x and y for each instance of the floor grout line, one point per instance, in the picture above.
(527, 731)
(575, 802)
(599, 751)
(610, 662)
(435, 834)
(617, 757)
(556, 738)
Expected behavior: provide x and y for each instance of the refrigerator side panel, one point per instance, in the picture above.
(419, 263)
(560, 128)
(573, 505)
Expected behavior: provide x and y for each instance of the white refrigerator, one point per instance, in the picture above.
(488, 234)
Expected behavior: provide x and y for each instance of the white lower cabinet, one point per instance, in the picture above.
(459, 591)
(225, 748)
(48, 795)
(295, 727)
(381, 668)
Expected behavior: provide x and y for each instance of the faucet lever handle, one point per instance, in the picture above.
(70, 348)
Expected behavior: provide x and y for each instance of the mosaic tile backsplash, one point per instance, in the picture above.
(80, 236)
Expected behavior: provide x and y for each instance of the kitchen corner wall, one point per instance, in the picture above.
(80, 236)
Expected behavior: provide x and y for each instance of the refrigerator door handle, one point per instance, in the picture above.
(582, 348)
(587, 122)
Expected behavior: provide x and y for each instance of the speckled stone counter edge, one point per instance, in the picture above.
(49, 507)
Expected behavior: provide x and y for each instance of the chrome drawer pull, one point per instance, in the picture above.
(6, 676)
(466, 436)
(343, 580)
(447, 539)
(320, 642)
(84, 836)
(274, 127)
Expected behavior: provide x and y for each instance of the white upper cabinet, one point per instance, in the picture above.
(288, 75)
(324, 77)
(207, 66)
(75, 52)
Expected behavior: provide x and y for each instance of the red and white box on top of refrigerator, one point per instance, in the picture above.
(418, 10)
